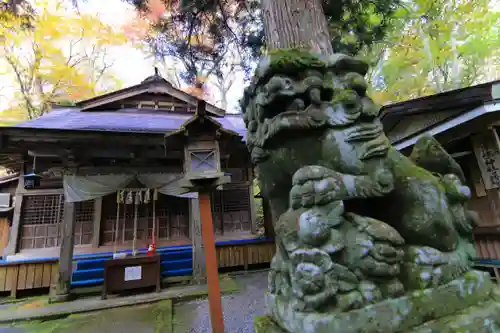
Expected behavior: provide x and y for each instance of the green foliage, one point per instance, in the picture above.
(355, 25)
(438, 45)
(238, 25)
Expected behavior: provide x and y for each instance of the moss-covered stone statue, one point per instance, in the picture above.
(368, 240)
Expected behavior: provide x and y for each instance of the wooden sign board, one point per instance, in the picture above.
(131, 273)
(488, 158)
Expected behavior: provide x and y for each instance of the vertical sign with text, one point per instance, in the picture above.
(488, 158)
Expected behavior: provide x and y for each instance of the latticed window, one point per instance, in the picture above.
(231, 210)
(203, 160)
(84, 222)
(42, 217)
(41, 220)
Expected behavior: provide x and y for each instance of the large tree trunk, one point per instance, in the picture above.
(296, 23)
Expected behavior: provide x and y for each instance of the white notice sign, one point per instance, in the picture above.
(133, 273)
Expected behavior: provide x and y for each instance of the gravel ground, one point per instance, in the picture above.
(239, 308)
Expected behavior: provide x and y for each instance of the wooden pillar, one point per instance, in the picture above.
(63, 286)
(96, 236)
(214, 295)
(196, 239)
(13, 246)
(251, 194)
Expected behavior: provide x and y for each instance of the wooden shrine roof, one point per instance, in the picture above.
(124, 120)
(460, 99)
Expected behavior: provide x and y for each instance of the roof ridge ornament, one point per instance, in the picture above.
(156, 77)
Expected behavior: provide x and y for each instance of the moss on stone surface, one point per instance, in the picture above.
(469, 297)
(429, 154)
(155, 318)
(495, 294)
(407, 171)
(293, 61)
(484, 318)
(264, 324)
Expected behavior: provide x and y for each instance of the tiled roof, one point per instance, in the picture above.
(123, 120)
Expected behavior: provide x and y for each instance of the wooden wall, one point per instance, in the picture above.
(245, 254)
(4, 232)
(27, 275)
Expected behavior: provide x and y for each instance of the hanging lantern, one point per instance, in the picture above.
(32, 180)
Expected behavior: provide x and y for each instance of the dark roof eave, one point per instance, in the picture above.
(14, 129)
(411, 107)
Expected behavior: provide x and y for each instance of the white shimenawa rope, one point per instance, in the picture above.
(136, 208)
(117, 224)
(155, 239)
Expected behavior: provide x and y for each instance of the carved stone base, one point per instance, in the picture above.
(467, 304)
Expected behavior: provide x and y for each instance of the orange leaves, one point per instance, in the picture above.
(200, 89)
(140, 26)
(157, 10)
(137, 29)
(194, 91)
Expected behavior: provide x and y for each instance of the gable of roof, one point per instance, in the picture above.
(152, 85)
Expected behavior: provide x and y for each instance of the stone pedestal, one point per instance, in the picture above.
(468, 304)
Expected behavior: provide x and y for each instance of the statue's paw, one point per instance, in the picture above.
(310, 172)
(426, 267)
(314, 186)
(427, 256)
(377, 229)
(372, 247)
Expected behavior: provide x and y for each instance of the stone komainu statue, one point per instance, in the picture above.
(368, 240)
